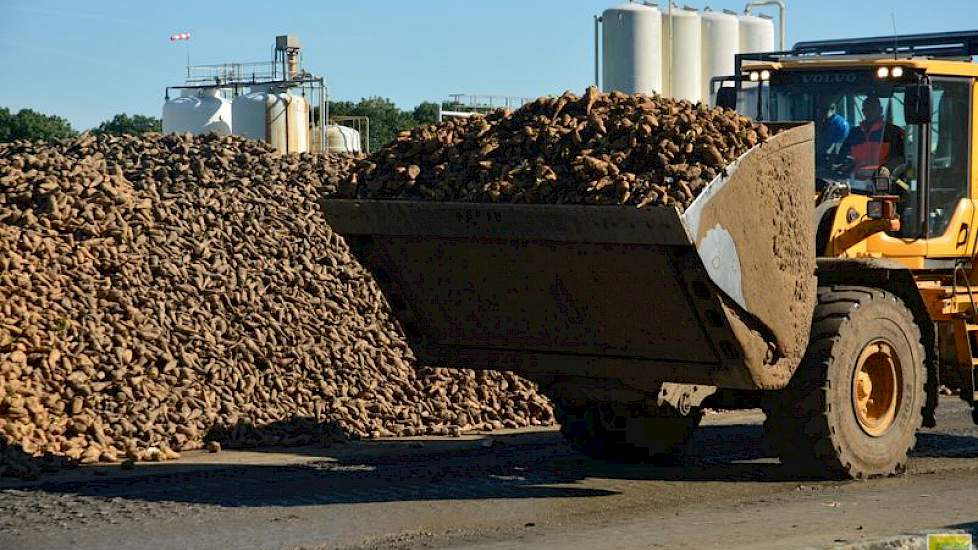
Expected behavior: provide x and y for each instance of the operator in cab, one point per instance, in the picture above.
(875, 142)
(831, 131)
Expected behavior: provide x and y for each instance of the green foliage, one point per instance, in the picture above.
(29, 124)
(5, 124)
(426, 113)
(386, 119)
(125, 124)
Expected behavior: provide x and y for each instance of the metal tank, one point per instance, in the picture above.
(343, 139)
(632, 46)
(681, 48)
(198, 111)
(756, 33)
(721, 43)
(277, 117)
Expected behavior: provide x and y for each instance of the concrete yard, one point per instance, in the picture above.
(511, 489)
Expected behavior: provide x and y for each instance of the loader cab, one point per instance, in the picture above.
(870, 121)
(861, 127)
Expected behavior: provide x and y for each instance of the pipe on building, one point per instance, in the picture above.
(292, 62)
(597, 42)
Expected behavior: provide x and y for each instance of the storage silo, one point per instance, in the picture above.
(721, 42)
(756, 33)
(681, 54)
(632, 46)
(198, 111)
(277, 117)
(343, 139)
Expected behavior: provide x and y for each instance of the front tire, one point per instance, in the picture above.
(853, 408)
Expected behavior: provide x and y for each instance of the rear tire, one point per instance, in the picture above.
(853, 408)
(620, 433)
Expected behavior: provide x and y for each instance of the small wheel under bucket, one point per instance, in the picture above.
(620, 433)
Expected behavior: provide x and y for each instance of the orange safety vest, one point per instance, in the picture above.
(871, 143)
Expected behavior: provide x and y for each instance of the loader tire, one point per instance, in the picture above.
(622, 434)
(853, 407)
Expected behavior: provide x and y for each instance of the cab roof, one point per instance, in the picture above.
(940, 53)
(942, 67)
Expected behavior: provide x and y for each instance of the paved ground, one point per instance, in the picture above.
(522, 489)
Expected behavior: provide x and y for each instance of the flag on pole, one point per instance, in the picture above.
(179, 37)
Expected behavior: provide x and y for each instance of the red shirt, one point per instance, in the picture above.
(871, 143)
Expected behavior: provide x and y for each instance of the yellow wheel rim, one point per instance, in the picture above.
(876, 387)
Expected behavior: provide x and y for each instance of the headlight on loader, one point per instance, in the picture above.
(883, 208)
(874, 210)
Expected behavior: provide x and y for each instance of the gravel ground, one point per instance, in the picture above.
(522, 488)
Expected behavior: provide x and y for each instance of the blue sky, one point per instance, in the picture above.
(89, 60)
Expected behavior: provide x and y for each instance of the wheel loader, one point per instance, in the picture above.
(826, 282)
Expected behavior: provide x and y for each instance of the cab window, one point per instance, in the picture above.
(948, 170)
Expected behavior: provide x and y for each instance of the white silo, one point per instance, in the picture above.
(721, 43)
(343, 139)
(198, 111)
(277, 117)
(756, 33)
(632, 60)
(681, 54)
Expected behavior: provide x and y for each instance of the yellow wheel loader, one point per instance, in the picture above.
(826, 277)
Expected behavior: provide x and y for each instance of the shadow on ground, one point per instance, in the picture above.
(523, 465)
(970, 527)
(943, 445)
(528, 465)
(17, 464)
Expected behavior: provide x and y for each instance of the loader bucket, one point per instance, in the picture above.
(719, 295)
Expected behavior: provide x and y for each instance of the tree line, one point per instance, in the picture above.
(386, 121)
(32, 125)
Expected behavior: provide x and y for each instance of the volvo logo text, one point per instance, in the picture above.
(828, 78)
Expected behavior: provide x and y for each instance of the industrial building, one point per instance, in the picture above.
(275, 101)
